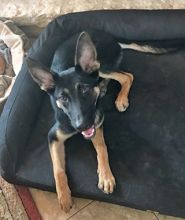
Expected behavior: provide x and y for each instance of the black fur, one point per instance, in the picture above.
(72, 82)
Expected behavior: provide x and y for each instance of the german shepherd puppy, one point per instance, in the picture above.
(75, 89)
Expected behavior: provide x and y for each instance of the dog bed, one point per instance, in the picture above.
(146, 143)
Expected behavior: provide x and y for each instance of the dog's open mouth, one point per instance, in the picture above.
(89, 133)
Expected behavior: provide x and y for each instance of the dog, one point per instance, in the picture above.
(76, 83)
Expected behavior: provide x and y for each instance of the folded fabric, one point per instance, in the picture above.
(16, 40)
(2, 64)
(5, 81)
(13, 44)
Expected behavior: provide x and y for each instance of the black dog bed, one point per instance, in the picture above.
(146, 143)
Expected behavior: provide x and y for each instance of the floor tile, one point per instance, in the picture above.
(105, 211)
(48, 207)
(165, 217)
(84, 209)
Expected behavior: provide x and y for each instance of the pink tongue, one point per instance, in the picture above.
(89, 132)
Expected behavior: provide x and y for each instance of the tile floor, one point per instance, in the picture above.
(84, 209)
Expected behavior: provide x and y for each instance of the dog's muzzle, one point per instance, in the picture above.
(89, 133)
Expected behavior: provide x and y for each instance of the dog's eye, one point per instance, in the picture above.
(63, 98)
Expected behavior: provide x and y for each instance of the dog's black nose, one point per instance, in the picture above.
(79, 124)
(80, 128)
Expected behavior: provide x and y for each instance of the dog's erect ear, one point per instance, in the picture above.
(86, 55)
(40, 75)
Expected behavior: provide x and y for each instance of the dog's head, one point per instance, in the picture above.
(75, 90)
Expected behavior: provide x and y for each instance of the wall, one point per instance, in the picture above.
(40, 12)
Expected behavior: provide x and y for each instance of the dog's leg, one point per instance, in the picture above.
(57, 150)
(106, 178)
(125, 80)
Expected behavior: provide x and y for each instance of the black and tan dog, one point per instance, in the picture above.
(75, 89)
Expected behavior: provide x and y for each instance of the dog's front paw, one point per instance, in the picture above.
(122, 103)
(63, 192)
(65, 200)
(107, 181)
